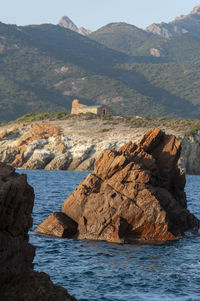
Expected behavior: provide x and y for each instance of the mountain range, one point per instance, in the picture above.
(152, 73)
(184, 24)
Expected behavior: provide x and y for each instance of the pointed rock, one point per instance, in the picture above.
(66, 22)
(134, 194)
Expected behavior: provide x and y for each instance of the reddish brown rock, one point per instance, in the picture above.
(16, 203)
(136, 193)
(18, 280)
(58, 224)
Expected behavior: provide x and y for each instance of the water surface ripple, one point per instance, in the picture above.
(97, 271)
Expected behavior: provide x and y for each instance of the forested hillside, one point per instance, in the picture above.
(44, 67)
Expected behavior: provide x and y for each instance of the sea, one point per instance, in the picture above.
(98, 270)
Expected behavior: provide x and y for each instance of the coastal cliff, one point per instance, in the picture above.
(18, 280)
(75, 143)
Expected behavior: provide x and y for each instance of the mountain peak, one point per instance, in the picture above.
(183, 24)
(66, 22)
(196, 10)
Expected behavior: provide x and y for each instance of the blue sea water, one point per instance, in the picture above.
(97, 271)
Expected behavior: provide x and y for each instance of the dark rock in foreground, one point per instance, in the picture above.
(134, 194)
(18, 280)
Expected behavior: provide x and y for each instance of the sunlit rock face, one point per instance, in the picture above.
(135, 193)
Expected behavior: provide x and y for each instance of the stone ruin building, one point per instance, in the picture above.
(78, 108)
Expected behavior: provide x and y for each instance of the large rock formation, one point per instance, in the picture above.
(18, 280)
(135, 193)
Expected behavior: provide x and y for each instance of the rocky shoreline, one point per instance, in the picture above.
(75, 144)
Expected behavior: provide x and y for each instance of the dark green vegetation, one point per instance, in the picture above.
(42, 116)
(137, 42)
(43, 68)
(186, 126)
(125, 38)
(181, 48)
(40, 72)
(50, 116)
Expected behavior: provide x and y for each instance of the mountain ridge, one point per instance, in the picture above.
(189, 23)
(124, 37)
(179, 25)
(44, 67)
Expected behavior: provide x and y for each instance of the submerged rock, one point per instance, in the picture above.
(18, 280)
(135, 193)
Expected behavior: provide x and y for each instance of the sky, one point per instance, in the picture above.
(93, 14)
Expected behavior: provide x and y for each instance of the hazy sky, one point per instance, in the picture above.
(93, 14)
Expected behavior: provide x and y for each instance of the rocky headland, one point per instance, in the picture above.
(18, 280)
(135, 193)
(75, 143)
